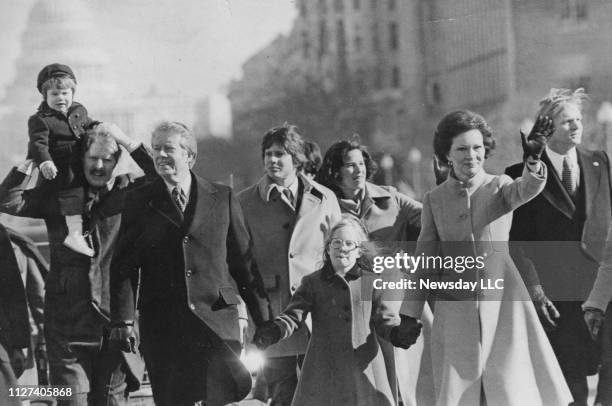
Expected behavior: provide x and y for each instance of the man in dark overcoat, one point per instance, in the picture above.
(558, 239)
(183, 242)
(77, 297)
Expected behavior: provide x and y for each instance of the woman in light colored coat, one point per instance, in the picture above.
(488, 347)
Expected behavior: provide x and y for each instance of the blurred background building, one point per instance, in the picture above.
(384, 69)
(389, 69)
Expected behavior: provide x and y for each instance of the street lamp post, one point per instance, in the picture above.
(604, 119)
(414, 157)
(386, 164)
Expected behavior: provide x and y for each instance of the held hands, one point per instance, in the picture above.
(267, 333)
(544, 307)
(122, 338)
(48, 169)
(594, 319)
(18, 361)
(535, 143)
(406, 333)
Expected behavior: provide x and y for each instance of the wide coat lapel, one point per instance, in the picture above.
(554, 191)
(162, 204)
(206, 199)
(591, 174)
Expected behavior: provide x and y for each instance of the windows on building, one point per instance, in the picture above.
(339, 5)
(396, 80)
(393, 37)
(574, 10)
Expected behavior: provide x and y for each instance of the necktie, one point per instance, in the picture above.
(566, 177)
(289, 196)
(179, 198)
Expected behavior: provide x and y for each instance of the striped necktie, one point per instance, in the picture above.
(566, 177)
(179, 198)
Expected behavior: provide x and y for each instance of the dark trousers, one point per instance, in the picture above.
(78, 354)
(604, 386)
(96, 375)
(182, 358)
(280, 379)
(578, 355)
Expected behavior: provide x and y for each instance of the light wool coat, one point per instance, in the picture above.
(488, 344)
(287, 245)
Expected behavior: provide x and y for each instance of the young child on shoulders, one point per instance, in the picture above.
(56, 133)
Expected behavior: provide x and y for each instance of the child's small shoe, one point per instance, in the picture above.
(77, 243)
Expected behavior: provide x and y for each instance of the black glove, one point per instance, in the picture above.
(122, 338)
(535, 143)
(441, 170)
(406, 333)
(266, 334)
(594, 319)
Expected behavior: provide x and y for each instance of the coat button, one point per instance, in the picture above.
(286, 226)
(74, 126)
(188, 273)
(191, 306)
(462, 193)
(186, 239)
(463, 216)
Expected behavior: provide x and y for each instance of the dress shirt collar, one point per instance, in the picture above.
(184, 184)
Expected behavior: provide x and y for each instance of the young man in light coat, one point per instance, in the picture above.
(288, 217)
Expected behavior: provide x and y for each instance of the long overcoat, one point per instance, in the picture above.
(486, 343)
(344, 364)
(287, 245)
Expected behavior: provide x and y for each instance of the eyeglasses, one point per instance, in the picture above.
(339, 243)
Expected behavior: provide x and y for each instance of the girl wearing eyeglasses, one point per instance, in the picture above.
(344, 364)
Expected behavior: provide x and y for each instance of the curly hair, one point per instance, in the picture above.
(556, 99)
(329, 174)
(458, 122)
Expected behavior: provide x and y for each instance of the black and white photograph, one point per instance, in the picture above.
(305, 203)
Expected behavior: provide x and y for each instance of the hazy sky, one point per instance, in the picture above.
(188, 46)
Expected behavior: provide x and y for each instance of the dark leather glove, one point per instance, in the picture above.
(544, 307)
(18, 361)
(535, 143)
(406, 333)
(441, 170)
(266, 334)
(594, 319)
(122, 337)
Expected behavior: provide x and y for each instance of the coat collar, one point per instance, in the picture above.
(471, 185)
(328, 272)
(590, 177)
(46, 111)
(311, 197)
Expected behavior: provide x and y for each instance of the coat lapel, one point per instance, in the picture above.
(554, 191)
(162, 204)
(206, 201)
(591, 174)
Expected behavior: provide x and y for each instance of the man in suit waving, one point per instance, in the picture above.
(187, 238)
(564, 229)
